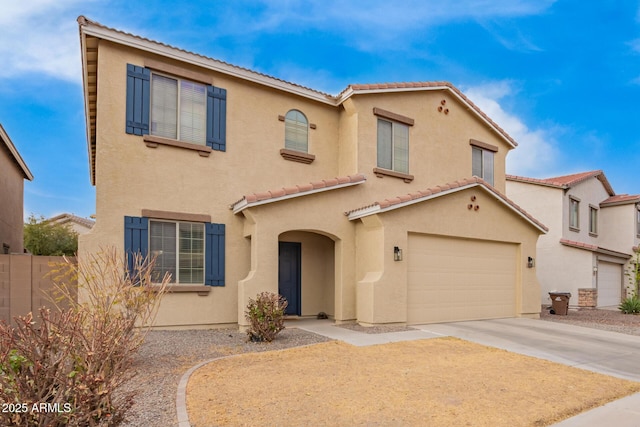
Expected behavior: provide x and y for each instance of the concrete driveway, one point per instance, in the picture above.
(605, 352)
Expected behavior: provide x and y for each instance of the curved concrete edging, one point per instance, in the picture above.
(181, 395)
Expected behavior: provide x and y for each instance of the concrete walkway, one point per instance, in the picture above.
(604, 352)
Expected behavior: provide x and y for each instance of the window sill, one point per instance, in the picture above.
(577, 230)
(592, 234)
(199, 289)
(153, 142)
(381, 173)
(297, 156)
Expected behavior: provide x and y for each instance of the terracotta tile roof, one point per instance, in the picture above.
(580, 245)
(429, 193)
(282, 193)
(84, 21)
(621, 199)
(566, 181)
(355, 88)
(65, 217)
(593, 248)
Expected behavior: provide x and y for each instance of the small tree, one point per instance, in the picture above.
(42, 237)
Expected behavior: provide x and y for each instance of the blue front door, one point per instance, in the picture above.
(289, 284)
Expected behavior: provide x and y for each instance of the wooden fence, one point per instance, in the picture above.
(25, 281)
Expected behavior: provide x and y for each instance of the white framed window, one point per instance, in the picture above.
(296, 131)
(638, 220)
(393, 146)
(593, 220)
(178, 109)
(482, 164)
(574, 213)
(179, 249)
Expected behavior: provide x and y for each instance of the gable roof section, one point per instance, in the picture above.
(66, 217)
(4, 137)
(621, 199)
(439, 191)
(284, 193)
(357, 89)
(91, 31)
(593, 248)
(566, 181)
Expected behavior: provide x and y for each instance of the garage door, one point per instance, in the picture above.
(453, 279)
(609, 283)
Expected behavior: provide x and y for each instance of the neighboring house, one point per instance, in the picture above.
(75, 223)
(13, 172)
(591, 238)
(362, 205)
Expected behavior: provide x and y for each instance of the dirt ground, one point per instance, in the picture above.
(435, 382)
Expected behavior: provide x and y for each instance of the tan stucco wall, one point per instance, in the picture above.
(382, 294)
(439, 150)
(11, 207)
(131, 177)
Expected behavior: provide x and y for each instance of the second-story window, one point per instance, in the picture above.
(574, 213)
(393, 146)
(178, 109)
(593, 220)
(482, 164)
(638, 221)
(296, 131)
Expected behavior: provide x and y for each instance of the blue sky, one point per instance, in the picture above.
(562, 77)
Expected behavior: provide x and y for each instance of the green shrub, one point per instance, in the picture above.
(630, 305)
(266, 316)
(64, 369)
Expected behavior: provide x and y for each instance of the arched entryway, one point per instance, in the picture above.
(306, 272)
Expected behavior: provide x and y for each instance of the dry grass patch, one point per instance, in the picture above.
(436, 382)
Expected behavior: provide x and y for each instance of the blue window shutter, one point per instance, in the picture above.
(138, 99)
(217, 118)
(214, 252)
(136, 239)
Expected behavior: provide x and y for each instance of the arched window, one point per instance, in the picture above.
(296, 131)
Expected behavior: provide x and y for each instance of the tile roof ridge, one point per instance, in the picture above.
(452, 186)
(83, 21)
(300, 189)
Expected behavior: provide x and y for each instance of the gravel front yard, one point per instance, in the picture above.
(166, 355)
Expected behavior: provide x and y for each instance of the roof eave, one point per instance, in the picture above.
(16, 155)
(376, 209)
(92, 29)
(245, 204)
(85, 88)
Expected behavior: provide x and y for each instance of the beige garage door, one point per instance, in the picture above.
(453, 279)
(609, 284)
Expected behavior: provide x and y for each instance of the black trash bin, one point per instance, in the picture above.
(560, 302)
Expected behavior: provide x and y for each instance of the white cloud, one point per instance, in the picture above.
(537, 154)
(380, 23)
(40, 36)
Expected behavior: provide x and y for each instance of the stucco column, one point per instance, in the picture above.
(370, 266)
(263, 275)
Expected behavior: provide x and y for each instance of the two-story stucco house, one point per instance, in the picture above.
(13, 172)
(591, 238)
(382, 204)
